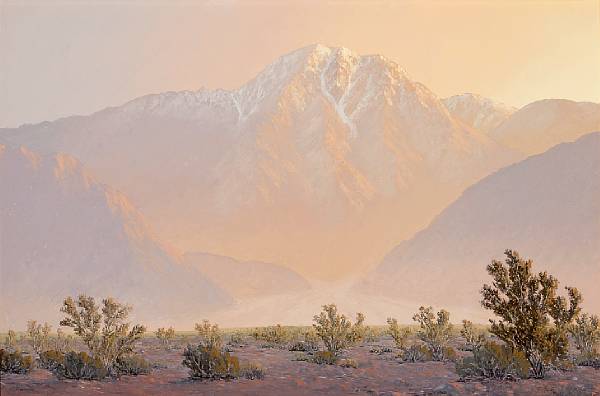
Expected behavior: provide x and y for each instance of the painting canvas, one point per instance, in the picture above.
(303, 197)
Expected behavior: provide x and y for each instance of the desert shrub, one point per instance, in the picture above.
(325, 357)
(133, 365)
(473, 338)
(210, 335)
(380, 350)
(210, 363)
(533, 318)
(347, 363)
(38, 335)
(309, 343)
(165, 336)
(415, 353)
(491, 360)
(435, 331)
(586, 336)
(236, 339)
(272, 335)
(358, 331)
(15, 362)
(80, 365)
(252, 371)
(106, 333)
(334, 329)
(10, 342)
(399, 335)
(63, 342)
(51, 359)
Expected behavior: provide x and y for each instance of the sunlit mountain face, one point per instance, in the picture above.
(322, 162)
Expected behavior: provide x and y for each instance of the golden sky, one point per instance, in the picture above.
(60, 58)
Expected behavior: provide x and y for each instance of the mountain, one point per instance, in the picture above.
(63, 233)
(244, 280)
(304, 165)
(540, 125)
(478, 112)
(547, 207)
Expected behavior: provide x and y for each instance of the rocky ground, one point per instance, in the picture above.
(376, 374)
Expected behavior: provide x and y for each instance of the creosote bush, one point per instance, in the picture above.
(272, 335)
(585, 332)
(325, 357)
(533, 318)
(10, 342)
(165, 336)
(399, 335)
(252, 371)
(491, 360)
(105, 332)
(207, 362)
(80, 365)
(15, 362)
(38, 336)
(473, 338)
(336, 330)
(210, 335)
(133, 365)
(435, 331)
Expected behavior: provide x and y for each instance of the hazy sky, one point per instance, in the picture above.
(60, 58)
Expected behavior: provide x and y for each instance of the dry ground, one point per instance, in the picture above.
(376, 374)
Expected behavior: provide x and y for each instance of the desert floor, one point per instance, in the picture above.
(376, 374)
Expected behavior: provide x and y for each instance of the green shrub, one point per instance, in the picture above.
(15, 362)
(534, 319)
(473, 338)
(586, 336)
(325, 357)
(252, 371)
(133, 365)
(236, 339)
(435, 331)
(210, 335)
(79, 365)
(51, 359)
(10, 342)
(106, 333)
(165, 336)
(210, 363)
(495, 361)
(38, 336)
(416, 353)
(335, 330)
(399, 335)
(272, 335)
(358, 331)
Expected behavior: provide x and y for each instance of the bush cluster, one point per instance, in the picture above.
(15, 362)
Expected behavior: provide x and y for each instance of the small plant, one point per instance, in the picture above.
(81, 366)
(358, 330)
(348, 363)
(334, 329)
(398, 334)
(236, 339)
(106, 333)
(10, 342)
(52, 359)
(165, 336)
(210, 335)
(133, 365)
(38, 336)
(325, 357)
(15, 362)
(210, 363)
(533, 318)
(473, 338)
(586, 336)
(63, 342)
(252, 371)
(416, 353)
(435, 331)
(491, 360)
(272, 335)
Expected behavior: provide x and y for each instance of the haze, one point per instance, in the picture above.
(60, 58)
